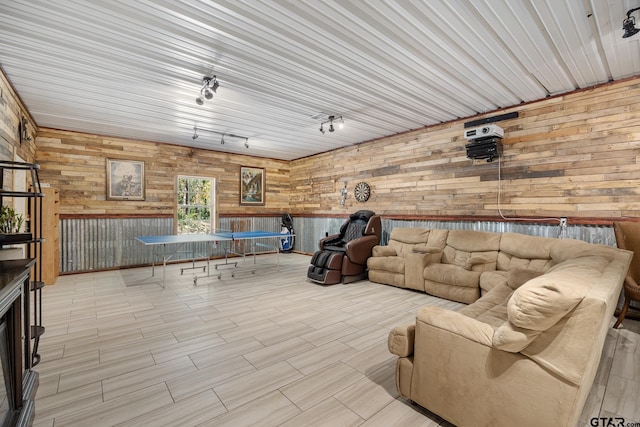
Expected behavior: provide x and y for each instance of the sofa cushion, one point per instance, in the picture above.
(566, 249)
(524, 251)
(517, 277)
(465, 245)
(424, 248)
(513, 339)
(491, 308)
(541, 302)
(473, 241)
(491, 279)
(512, 278)
(403, 240)
(452, 275)
(410, 235)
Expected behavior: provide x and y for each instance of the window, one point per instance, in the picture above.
(196, 212)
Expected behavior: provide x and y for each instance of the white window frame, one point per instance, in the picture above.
(212, 197)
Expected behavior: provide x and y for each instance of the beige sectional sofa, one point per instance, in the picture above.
(524, 351)
(459, 265)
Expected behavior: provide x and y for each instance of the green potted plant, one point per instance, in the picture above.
(10, 224)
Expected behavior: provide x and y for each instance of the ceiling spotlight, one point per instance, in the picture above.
(209, 86)
(629, 24)
(222, 140)
(246, 143)
(195, 133)
(330, 122)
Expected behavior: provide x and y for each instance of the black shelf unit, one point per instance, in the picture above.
(31, 239)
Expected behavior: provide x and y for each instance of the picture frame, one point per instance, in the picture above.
(125, 180)
(252, 183)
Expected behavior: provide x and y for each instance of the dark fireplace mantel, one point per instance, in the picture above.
(20, 381)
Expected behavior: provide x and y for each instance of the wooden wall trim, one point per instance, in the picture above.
(113, 216)
(125, 216)
(471, 218)
(451, 218)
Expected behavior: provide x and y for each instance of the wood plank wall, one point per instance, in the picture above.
(11, 113)
(575, 155)
(75, 163)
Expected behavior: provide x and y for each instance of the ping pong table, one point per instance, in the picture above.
(169, 245)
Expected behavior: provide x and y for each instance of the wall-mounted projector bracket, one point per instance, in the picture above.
(485, 148)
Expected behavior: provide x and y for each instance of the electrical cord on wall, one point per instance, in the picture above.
(561, 224)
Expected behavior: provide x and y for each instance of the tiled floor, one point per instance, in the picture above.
(264, 349)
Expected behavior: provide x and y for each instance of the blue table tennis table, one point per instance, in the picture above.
(167, 247)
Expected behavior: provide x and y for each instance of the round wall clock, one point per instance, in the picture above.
(362, 191)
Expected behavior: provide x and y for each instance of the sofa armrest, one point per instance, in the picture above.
(474, 260)
(401, 339)
(425, 258)
(457, 324)
(379, 250)
(414, 264)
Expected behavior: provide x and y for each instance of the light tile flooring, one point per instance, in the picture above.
(264, 349)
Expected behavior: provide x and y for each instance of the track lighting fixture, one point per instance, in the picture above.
(222, 135)
(209, 87)
(330, 121)
(629, 24)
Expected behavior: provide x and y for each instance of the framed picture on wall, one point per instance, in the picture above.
(125, 179)
(251, 186)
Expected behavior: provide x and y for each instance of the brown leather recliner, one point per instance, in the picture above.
(343, 257)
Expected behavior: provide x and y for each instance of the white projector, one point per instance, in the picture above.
(488, 131)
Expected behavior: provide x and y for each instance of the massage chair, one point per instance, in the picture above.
(342, 258)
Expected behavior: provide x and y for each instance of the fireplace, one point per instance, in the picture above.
(18, 382)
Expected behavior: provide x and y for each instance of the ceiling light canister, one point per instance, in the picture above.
(330, 121)
(209, 86)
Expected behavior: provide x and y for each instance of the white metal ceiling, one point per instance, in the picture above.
(133, 68)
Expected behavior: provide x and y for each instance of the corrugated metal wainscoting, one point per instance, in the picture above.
(107, 243)
(310, 230)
